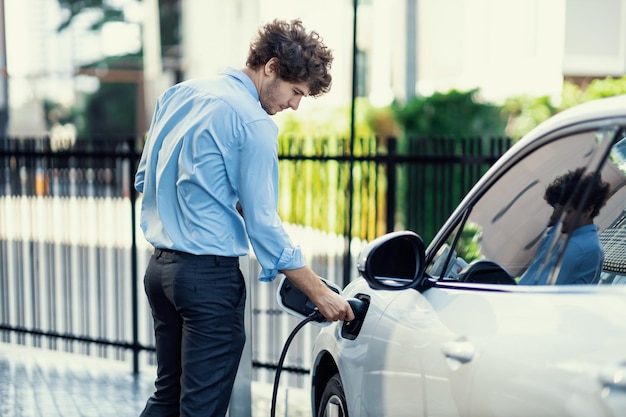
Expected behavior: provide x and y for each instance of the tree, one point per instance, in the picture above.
(456, 113)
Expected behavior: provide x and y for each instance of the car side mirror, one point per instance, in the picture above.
(393, 261)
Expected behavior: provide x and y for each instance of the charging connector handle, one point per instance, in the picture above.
(359, 307)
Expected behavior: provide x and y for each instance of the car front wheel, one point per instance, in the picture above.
(333, 402)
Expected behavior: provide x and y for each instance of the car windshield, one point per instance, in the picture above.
(506, 226)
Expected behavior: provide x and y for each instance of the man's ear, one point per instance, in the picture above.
(587, 212)
(271, 67)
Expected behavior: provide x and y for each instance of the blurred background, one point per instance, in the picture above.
(88, 67)
(426, 95)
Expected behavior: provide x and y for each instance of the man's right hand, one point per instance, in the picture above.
(332, 306)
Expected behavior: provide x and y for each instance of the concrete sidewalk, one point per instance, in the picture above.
(41, 383)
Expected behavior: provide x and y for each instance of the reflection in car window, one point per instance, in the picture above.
(576, 198)
(506, 224)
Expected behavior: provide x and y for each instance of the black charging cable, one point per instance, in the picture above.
(315, 316)
(359, 308)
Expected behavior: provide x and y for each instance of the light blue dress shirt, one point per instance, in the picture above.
(581, 264)
(211, 144)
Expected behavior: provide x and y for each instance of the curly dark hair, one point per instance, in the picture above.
(302, 56)
(571, 187)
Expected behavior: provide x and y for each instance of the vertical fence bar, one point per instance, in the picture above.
(347, 259)
(134, 276)
(391, 183)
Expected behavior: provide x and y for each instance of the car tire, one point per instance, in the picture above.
(333, 402)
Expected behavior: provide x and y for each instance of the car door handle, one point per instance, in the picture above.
(460, 350)
(614, 376)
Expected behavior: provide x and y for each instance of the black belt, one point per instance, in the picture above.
(170, 253)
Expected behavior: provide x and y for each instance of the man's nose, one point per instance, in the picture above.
(295, 102)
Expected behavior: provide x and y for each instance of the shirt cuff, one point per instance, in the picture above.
(291, 258)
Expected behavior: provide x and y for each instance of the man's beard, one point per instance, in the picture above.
(268, 99)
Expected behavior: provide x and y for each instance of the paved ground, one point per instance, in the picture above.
(36, 383)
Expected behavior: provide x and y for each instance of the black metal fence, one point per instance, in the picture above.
(72, 256)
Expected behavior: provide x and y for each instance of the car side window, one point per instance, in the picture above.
(504, 226)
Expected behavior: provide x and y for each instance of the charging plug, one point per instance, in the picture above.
(359, 307)
(350, 329)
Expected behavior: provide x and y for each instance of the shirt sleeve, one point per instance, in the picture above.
(140, 175)
(258, 195)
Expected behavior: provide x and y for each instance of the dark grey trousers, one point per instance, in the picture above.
(197, 305)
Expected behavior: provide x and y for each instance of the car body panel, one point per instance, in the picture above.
(553, 349)
(442, 347)
(390, 370)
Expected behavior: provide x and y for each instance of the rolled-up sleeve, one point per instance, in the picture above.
(291, 258)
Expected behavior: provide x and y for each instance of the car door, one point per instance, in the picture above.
(519, 350)
(404, 372)
(538, 351)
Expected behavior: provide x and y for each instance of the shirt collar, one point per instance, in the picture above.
(585, 229)
(241, 76)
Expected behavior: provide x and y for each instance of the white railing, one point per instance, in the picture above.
(66, 268)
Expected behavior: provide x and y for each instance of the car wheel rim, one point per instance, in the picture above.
(334, 407)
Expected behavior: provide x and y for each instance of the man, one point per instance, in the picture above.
(581, 261)
(209, 178)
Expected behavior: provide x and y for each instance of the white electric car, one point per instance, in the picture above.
(448, 331)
